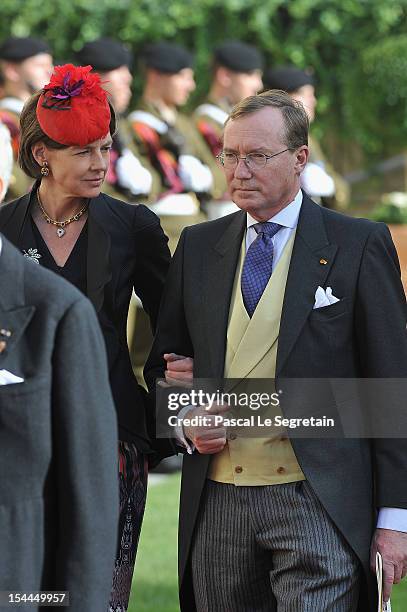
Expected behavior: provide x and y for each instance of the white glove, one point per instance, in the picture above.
(194, 174)
(131, 174)
(316, 182)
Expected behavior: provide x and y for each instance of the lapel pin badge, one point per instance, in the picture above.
(5, 332)
(323, 262)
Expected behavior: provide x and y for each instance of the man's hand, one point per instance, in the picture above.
(180, 370)
(392, 545)
(210, 438)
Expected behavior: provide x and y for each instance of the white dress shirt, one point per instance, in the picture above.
(287, 217)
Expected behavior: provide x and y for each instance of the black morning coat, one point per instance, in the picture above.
(126, 248)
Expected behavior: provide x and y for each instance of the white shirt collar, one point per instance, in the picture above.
(287, 217)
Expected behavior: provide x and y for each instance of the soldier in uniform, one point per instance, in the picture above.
(25, 67)
(170, 140)
(127, 177)
(319, 179)
(236, 74)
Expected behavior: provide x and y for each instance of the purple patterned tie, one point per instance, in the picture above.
(258, 265)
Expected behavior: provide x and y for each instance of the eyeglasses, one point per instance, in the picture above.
(254, 161)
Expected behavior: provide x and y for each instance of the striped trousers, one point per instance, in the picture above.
(270, 548)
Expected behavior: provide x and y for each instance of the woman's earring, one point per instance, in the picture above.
(45, 169)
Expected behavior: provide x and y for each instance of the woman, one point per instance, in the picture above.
(103, 246)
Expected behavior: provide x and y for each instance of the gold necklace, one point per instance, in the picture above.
(60, 225)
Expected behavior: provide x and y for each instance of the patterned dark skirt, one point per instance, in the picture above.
(133, 472)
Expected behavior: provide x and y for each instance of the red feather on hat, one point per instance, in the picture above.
(73, 108)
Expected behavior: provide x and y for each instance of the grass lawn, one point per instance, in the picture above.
(155, 581)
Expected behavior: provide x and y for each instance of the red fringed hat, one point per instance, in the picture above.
(73, 108)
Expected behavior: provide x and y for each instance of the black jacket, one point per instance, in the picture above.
(126, 248)
(58, 441)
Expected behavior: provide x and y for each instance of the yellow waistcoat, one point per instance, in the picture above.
(251, 352)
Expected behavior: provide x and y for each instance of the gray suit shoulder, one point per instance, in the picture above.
(358, 228)
(135, 216)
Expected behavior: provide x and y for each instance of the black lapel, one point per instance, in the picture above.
(217, 285)
(310, 264)
(14, 314)
(98, 268)
(18, 219)
(18, 228)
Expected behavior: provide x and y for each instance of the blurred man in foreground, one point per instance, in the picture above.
(58, 435)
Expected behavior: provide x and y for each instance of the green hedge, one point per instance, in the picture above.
(357, 47)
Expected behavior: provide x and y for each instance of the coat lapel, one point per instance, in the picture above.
(311, 262)
(14, 314)
(98, 266)
(217, 285)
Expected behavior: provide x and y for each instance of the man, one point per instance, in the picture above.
(236, 74)
(127, 176)
(25, 67)
(319, 178)
(171, 142)
(279, 522)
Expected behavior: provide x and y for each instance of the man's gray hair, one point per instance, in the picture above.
(6, 159)
(295, 117)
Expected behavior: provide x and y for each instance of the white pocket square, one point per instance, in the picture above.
(7, 378)
(324, 298)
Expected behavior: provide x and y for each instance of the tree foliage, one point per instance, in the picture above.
(358, 48)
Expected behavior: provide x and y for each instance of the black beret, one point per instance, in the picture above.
(19, 49)
(287, 78)
(238, 56)
(104, 54)
(167, 57)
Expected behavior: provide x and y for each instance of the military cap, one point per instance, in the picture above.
(16, 49)
(238, 56)
(287, 78)
(104, 54)
(167, 57)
